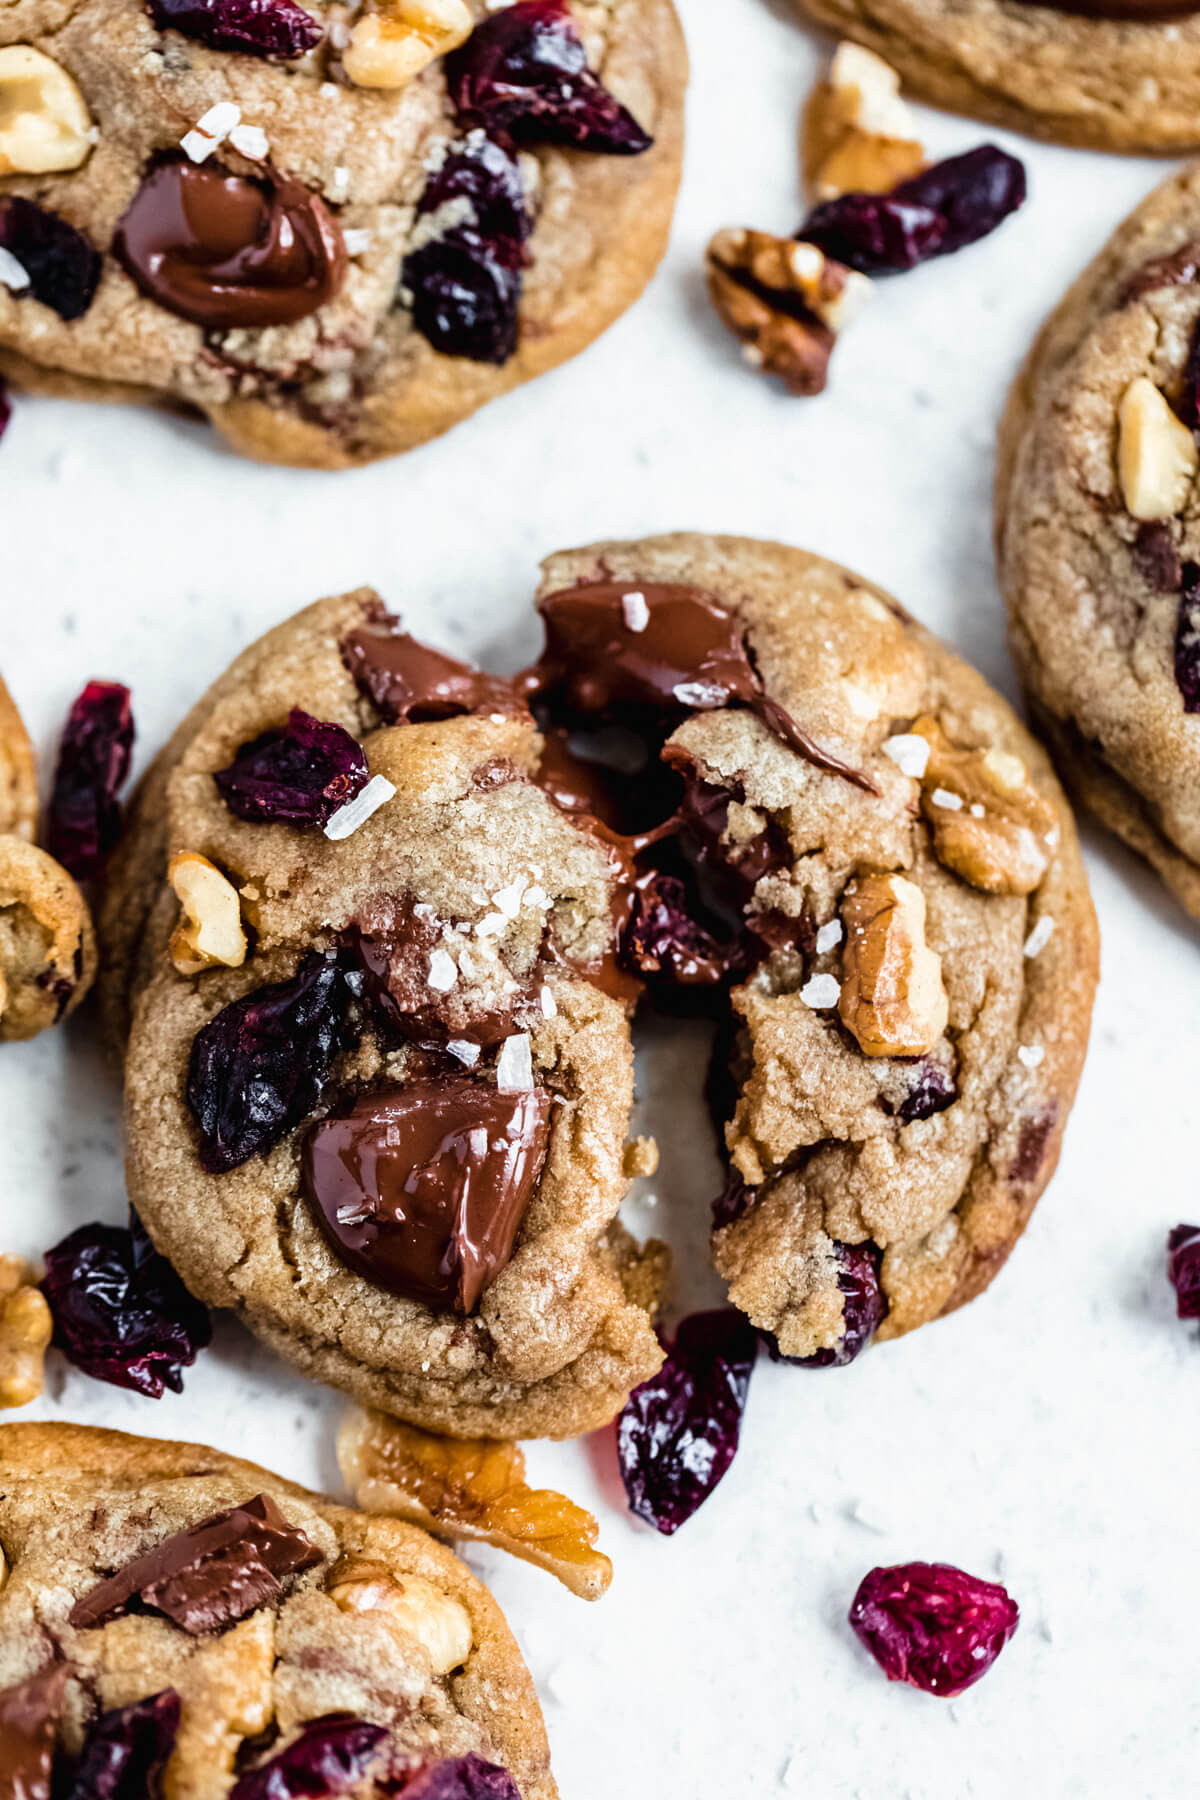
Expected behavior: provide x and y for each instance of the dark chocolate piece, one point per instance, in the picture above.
(28, 1723)
(392, 941)
(409, 683)
(1180, 268)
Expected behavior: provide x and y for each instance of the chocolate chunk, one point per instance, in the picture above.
(1156, 555)
(422, 1188)
(392, 942)
(229, 251)
(660, 646)
(1032, 1144)
(210, 1576)
(1179, 269)
(409, 683)
(28, 1721)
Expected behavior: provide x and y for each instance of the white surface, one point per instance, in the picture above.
(1048, 1431)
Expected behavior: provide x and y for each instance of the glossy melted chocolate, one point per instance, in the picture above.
(229, 251)
(410, 683)
(422, 1188)
(210, 1576)
(28, 1724)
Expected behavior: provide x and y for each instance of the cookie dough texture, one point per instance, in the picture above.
(1092, 630)
(354, 381)
(1101, 83)
(78, 1503)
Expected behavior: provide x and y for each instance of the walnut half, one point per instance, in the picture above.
(859, 136)
(786, 301)
(47, 944)
(892, 998)
(989, 823)
(25, 1331)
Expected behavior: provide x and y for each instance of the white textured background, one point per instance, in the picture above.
(1050, 1432)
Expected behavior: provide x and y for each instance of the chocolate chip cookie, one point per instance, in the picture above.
(1106, 74)
(382, 922)
(171, 1613)
(335, 231)
(1098, 535)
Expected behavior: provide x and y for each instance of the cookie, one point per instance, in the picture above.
(167, 1609)
(1105, 74)
(1097, 528)
(335, 239)
(751, 786)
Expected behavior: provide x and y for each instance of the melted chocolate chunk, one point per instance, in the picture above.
(1179, 269)
(422, 1188)
(409, 683)
(28, 1721)
(682, 653)
(392, 940)
(229, 251)
(210, 1576)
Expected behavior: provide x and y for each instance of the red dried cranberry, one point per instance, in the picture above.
(257, 1070)
(487, 175)
(120, 1311)
(62, 264)
(84, 820)
(678, 1432)
(662, 940)
(330, 1756)
(262, 27)
(864, 1309)
(126, 1750)
(466, 283)
(5, 406)
(1187, 638)
(462, 1778)
(1183, 1269)
(299, 776)
(524, 72)
(946, 207)
(931, 1625)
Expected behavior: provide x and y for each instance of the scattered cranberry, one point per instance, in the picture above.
(5, 406)
(262, 27)
(259, 1067)
(299, 775)
(488, 175)
(932, 1626)
(678, 1432)
(120, 1311)
(662, 940)
(524, 72)
(466, 284)
(865, 1308)
(1187, 638)
(941, 210)
(331, 1756)
(126, 1750)
(62, 264)
(1183, 1269)
(84, 820)
(462, 1778)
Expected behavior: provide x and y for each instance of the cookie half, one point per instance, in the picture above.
(1098, 532)
(187, 1611)
(1104, 74)
(335, 238)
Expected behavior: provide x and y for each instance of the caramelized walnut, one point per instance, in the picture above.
(892, 997)
(989, 823)
(859, 136)
(786, 302)
(417, 1609)
(209, 933)
(47, 945)
(25, 1329)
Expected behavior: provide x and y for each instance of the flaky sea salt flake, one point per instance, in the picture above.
(347, 819)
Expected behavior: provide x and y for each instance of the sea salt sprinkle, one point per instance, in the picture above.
(347, 819)
(946, 800)
(357, 240)
(514, 1065)
(12, 273)
(821, 991)
(909, 752)
(250, 141)
(464, 1050)
(636, 611)
(443, 971)
(829, 936)
(1040, 936)
(210, 130)
(1032, 1055)
(548, 1003)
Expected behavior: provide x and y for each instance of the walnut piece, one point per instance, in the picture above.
(388, 48)
(45, 127)
(1156, 453)
(786, 301)
(859, 136)
(47, 944)
(472, 1488)
(418, 1609)
(989, 823)
(210, 932)
(25, 1331)
(18, 775)
(892, 998)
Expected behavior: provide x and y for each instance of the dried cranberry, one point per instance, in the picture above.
(864, 1308)
(462, 1778)
(1183, 1269)
(678, 1432)
(933, 1626)
(330, 1756)
(488, 176)
(524, 72)
(120, 1311)
(300, 775)
(126, 1749)
(62, 264)
(466, 282)
(1187, 639)
(946, 207)
(662, 939)
(933, 1090)
(259, 1067)
(262, 27)
(5, 406)
(84, 820)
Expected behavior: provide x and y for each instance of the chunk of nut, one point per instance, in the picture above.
(892, 999)
(470, 1488)
(388, 48)
(18, 774)
(784, 300)
(25, 1330)
(45, 127)
(1156, 453)
(439, 1622)
(47, 944)
(859, 136)
(989, 823)
(210, 932)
